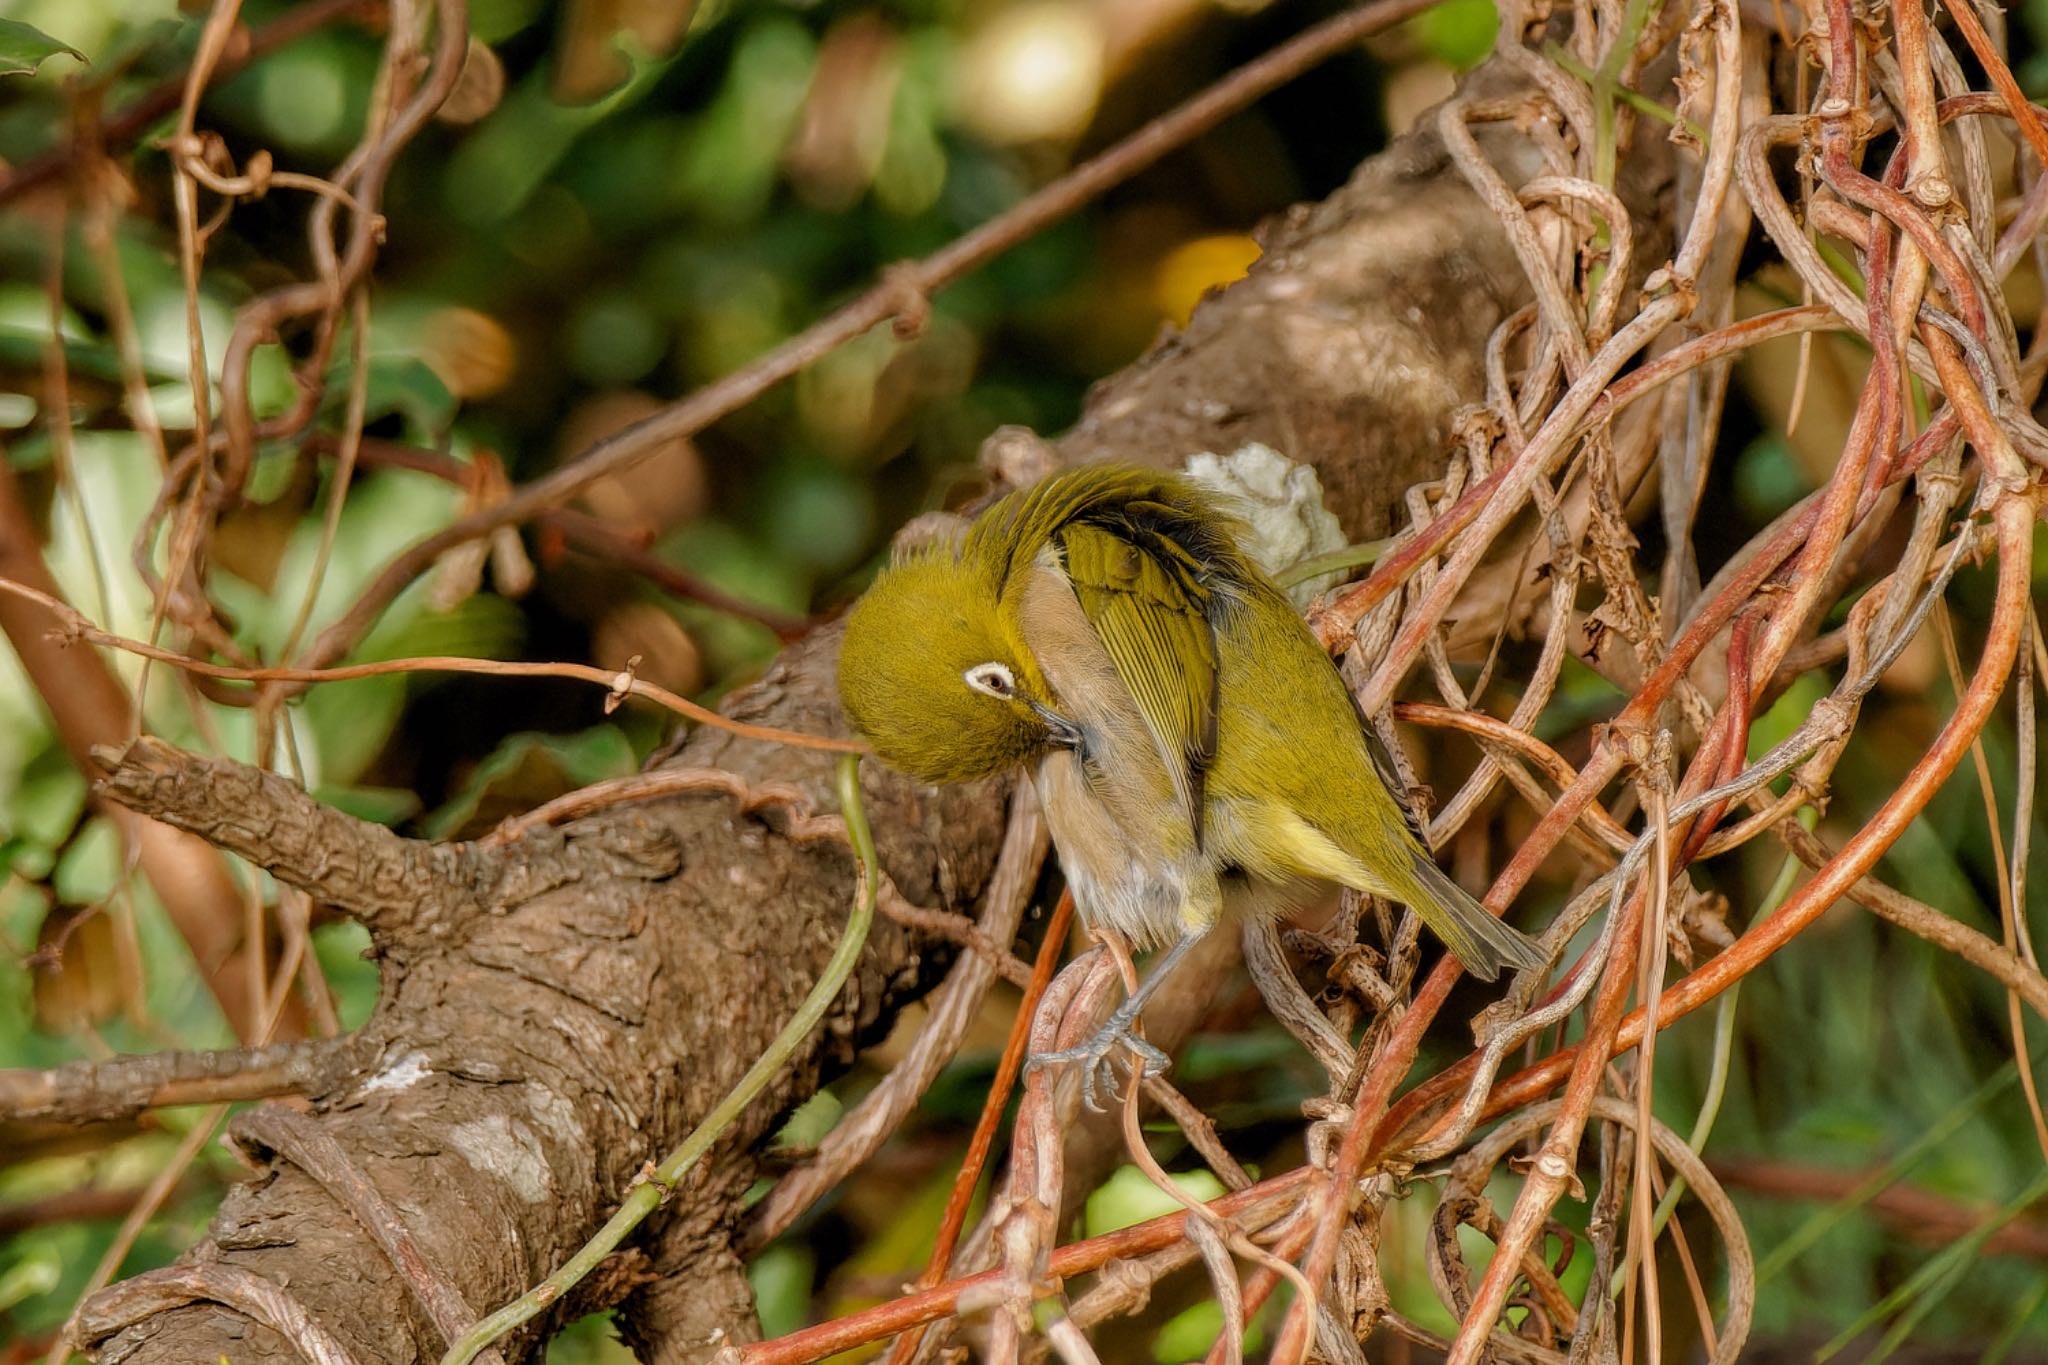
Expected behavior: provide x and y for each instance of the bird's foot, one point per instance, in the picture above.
(1097, 1057)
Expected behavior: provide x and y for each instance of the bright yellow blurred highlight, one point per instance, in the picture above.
(1192, 269)
(1034, 71)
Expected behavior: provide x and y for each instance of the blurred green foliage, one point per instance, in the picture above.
(1458, 32)
(24, 48)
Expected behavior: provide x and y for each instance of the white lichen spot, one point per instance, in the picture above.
(1282, 502)
(403, 1074)
(507, 1149)
(555, 1114)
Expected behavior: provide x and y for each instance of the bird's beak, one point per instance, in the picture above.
(1060, 732)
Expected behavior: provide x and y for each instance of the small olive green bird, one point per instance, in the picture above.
(1196, 755)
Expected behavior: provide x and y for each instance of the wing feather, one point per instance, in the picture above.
(1146, 600)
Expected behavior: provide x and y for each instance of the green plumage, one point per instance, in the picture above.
(1196, 753)
(1150, 610)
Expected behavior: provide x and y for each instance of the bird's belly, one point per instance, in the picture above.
(1123, 877)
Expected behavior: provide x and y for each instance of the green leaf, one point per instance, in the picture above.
(497, 168)
(49, 796)
(526, 769)
(11, 851)
(346, 962)
(1458, 33)
(590, 1341)
(782, 1278)
(378, 805)
(22, 348)
(1129, 1197)
(813, 1119)
(401, 385)
(1188, 1335)
(23, 48)
(35, 1274)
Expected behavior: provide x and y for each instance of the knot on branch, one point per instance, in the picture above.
(909, 299)
(1665, 282)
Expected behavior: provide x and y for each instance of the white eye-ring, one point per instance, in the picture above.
(994, 679)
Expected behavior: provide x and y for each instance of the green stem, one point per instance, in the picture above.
(1844, 268)
(1724, 1029)
(1336, 561)
(1634, 99)
(2015, 1326)
(1606, 88)
(647, 1193)
(1824, 1221)
(1939, 1273)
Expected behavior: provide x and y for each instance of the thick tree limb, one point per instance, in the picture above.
(556, 1010)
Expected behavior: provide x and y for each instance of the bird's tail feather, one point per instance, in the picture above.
(1469, 929)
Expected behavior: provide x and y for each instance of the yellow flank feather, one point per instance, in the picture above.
(1314, 855)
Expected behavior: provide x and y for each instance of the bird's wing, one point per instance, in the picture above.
(1146, 602)
(1390, 777)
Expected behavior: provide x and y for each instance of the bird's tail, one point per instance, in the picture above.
(1469, 929)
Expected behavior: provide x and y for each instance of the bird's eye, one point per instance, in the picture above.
(994, 679)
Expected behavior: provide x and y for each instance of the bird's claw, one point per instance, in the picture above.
(1097, 1057)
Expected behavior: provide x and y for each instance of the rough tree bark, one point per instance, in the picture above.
(560, 1010)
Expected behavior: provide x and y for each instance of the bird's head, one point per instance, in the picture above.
(935, 679)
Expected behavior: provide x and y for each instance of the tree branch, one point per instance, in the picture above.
(122, 1087)
(399, 888)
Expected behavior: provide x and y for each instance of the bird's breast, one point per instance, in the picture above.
(1128, 875)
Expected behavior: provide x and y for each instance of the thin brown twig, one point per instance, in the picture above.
(619, 683)
(930, 1305)
(899, 290)
(983, 1140)
(121, 1086)
(146, 110)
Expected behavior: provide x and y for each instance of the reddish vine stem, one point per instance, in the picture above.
(2014, 517)
(1873, 430)
(1552, 1172)
(1964, 15)
(1076, 1258)
(978, 1146)
(1816, 549)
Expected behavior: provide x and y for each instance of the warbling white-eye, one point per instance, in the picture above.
(1196, 755)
